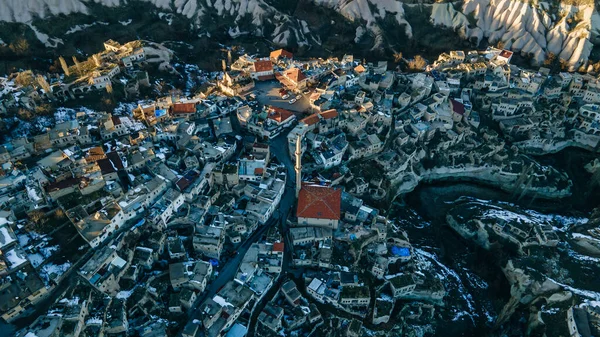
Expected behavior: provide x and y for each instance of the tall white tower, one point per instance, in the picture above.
(298, 166)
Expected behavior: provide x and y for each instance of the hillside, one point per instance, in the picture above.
(536, 29)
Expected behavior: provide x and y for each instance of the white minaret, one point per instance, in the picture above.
(298, 166)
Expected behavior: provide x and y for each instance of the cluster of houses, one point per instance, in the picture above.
(160, 199)
(157, 200)
(540, 111)
(124, 65)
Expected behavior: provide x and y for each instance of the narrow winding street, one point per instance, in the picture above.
(279, 150)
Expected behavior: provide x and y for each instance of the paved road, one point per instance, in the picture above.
(267, 93)
(279, 149)
(288, 200)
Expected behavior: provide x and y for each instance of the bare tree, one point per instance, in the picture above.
(398, 57)
(20, 46)
(418, 63)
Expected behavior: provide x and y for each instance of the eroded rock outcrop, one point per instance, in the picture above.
(535, 30)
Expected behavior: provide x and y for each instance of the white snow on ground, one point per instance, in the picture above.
(23, 239)
(527, 216)
(167, 16)
(70, 302)
(124, 109)
(385, 297)
(53, 272)
(474, 280)
(84, 26)
(583, 258)
(124, 294)
(6, 237)
(583, 236)
(15, 258)
(113, 165)
(32, 193)
(36, 259)
(64, 114)
(47, 251)
(125, 23)
(4, 221)
(583, 293)
(94, 321)
(447, 272)
(50, 42)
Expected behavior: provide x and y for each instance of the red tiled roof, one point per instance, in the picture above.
(278, 247)
(263, 65)
(276, 54)
(183, 108)
(457, 107)
(310, 120)
(506, 54)
(279, 115)
(94, 154)
(295, 75)
(329, 114)
(319, 202)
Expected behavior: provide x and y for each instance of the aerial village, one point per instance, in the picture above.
(250, 207)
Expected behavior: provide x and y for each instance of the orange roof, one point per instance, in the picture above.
(263, 65)
(295, 75)
(359, 68)
(329, 114)
(279, 115)
(281, 53)
(310, 120)
(319, 202)
(94, 154)
(278, 247)
(258, 171)
(183, 108)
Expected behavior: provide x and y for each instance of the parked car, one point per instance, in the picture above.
(298, 97)
(292, 101)
(286, 96)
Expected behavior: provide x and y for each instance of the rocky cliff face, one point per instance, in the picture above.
(286, 29)
(535, 29)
